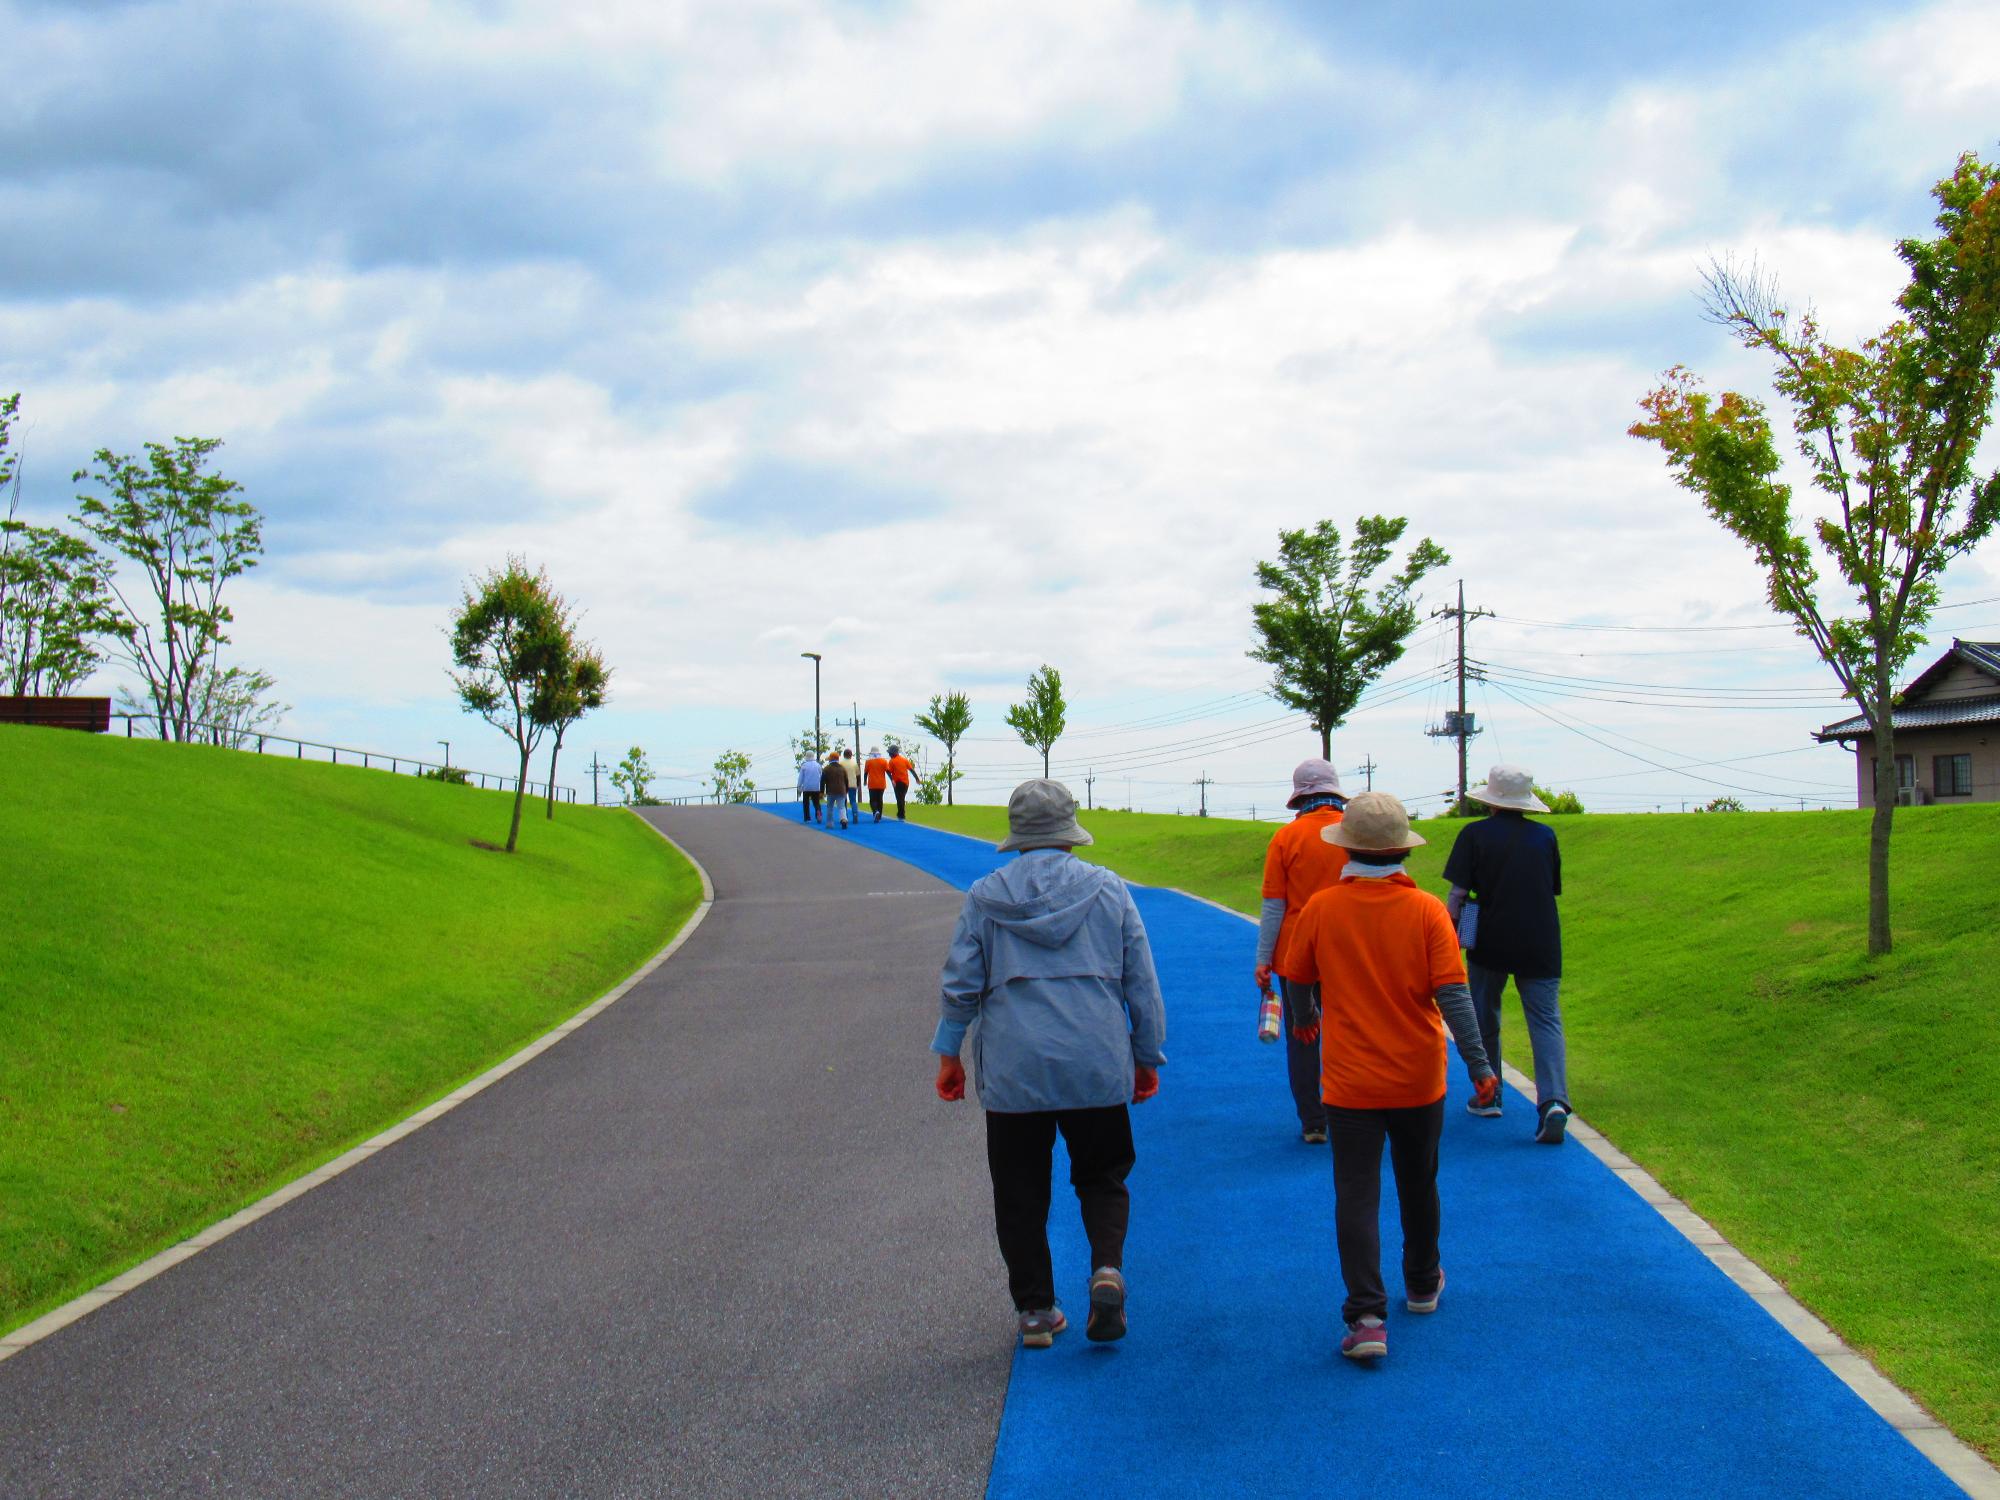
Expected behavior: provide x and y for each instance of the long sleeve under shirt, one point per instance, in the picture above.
(1050, 959)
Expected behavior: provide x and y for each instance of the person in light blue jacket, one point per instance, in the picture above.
(1051, 974)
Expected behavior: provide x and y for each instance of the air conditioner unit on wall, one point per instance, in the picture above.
(1912, 796)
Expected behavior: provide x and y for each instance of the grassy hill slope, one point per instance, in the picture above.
(1828, 1113)
(223, 969)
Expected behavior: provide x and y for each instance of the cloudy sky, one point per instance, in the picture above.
(952, 337)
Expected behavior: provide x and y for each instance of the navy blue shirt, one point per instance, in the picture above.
(1514, 870)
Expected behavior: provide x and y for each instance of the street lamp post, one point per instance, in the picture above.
(818, 743)
(447, 753)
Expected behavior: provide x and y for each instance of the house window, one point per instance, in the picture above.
(1906, 772)
(1951, 775)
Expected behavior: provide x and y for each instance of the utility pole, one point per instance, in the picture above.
(1204, 781)
(1089, 781)
(595, 766)
(1368, 771)
(1458, 726)
(857, 721)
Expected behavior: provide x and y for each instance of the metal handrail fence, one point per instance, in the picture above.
(704, 799)
(230, 738)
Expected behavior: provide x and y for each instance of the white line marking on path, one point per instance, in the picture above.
(100, 1296)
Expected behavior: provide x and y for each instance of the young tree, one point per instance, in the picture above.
(810, 742)
(55, 599)
(948, 718)
(633, 776)
(1887, 431)
(507, 639)
(188, 534)
(1324, 634)
(55, 603)
(578, 685)
(732, 779)
(1040, 721)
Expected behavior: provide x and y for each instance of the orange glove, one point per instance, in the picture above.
(1145, 1083)
(1307, 1034)
(950, 1079)
(1487, 1089)
(1264, 978)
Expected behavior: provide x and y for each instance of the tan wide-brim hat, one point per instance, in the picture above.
(1509, 786)
(1042, 815)
(1373, 820)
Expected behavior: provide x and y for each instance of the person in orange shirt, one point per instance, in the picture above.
(875, 771)
(901, 774)
(1298, 865)
(1386, 959)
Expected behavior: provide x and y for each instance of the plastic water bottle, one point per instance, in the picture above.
(1270, 1018)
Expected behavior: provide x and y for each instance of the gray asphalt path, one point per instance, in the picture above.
(721, 1241)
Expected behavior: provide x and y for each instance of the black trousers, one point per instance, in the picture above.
(902, 796)
(1357, 1136)
(808, 806)
(1020, 1154)
(875, 800)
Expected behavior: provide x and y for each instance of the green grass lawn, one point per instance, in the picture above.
(1829, 1114)
(222, 970)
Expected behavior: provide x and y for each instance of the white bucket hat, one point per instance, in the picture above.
(1509, 786)
(1313, 778)
(1373, 820)
(1042, 815)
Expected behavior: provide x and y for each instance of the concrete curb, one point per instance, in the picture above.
(86, 1303)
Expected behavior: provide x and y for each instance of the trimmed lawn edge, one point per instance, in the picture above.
(1955, 1458)
(81, 1306)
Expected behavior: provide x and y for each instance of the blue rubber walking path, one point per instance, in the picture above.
(1583, 1346)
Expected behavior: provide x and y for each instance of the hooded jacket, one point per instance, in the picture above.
(1051, 961)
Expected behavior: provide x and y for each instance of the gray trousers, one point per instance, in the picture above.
(1302, 1058)
(1541, 1004)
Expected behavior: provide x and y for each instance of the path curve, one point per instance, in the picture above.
(719, 1242)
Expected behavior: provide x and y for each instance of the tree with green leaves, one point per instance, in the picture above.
(1888, 432)
(633, 777)
(507, 641)
(1041, 720)
(188, 532)
(1325, 634)
(947, 719)
(55, 599)
(579, 684)
(732, 781)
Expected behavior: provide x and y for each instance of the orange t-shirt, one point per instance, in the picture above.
(900, 769)
(1380, 950)
(877, 772)
(1298, 866)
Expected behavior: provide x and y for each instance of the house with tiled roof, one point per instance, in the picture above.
(1947, 725)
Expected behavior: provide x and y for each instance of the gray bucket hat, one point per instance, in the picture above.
(1373, 820)
(1042, 815)
(1313, 778)
(1509, 786)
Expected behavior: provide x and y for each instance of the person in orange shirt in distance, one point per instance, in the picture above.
(1298, 865)
(1391, 980)
(875, 771)
(901, 775)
